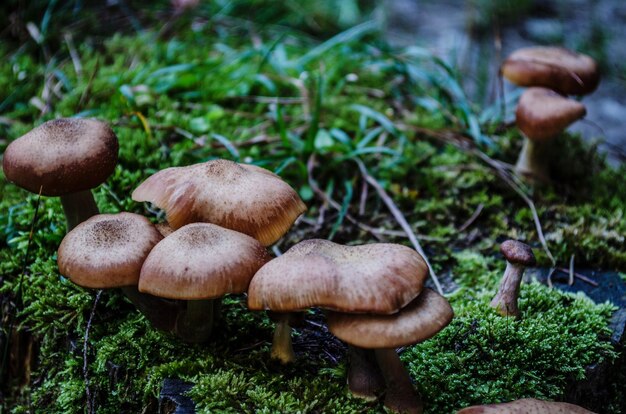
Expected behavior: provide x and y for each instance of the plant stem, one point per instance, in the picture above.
(282, 349)
(364, 377)
(505, 301)
(400, 396)
(78, 207)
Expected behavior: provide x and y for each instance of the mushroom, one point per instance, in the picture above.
(526, 406)
(518, 255)
(379, 278)
(66, 158)
(542, 115)
(240, 197)
(556, 68)
(421, 319)
(195, 264)
(107, 251)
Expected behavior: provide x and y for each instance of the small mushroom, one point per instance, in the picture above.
(526, 406)
(66, 158)
(518, 256)
(198, 263)
(556, 68)
(542, 115)
(378, 277)
(426, 315)
(107, 251)
(240, 197)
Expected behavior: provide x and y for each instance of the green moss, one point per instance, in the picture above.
(172, 103)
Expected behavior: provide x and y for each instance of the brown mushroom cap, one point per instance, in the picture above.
(241, 197)
(64, 156)
(518, 253)
(107, 250)
(379, 277)
(526, 406)
(421, 319)
(542, 114)
(552, 67)
(201, 261)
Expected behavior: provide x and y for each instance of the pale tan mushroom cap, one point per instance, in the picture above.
(107, 250)
(201, 261)
(526, 406)
(543, 114)
(421, 319)
(64, 156)
(552, 67)
(380, 278)
(241, 197)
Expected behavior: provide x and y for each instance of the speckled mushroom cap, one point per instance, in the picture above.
(64, 156)
(517, 252)
(107, 250)
(201, 261)
(421, 319)
(380, 278)
(241, 197)
(552, 67)
(526, 406)
(542, 114)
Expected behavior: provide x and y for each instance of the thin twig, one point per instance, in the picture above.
(18, 298)
(549, 278)
(363, 199)
(90, 402)
(78, 67)
(397, 214)
(579, 276)
(571, 270)
(473, 217)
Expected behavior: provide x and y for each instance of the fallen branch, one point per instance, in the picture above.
(397, 214)
(90, 402)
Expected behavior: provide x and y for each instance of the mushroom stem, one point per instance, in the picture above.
(161, 313)
(78, 207)
(400, 396)
(195, 323)
(282, 349)
(505, 301)
(533, 160)
(364, 377)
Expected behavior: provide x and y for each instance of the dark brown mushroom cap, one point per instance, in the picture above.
(64, 156)
(543, 114)
(241, 197)
(201, 261)
(526, 406)
(421, 319)
(379, 277)
(107, 250)
(517, 252)
(552, 67)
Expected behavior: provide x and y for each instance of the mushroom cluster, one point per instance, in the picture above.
(544, 111)
(375, 300)
(176, 272)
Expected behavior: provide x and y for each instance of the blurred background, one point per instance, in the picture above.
(471, 35)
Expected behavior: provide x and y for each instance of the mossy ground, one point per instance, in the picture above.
(221, 87)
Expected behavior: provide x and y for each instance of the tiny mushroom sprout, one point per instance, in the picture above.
(195, 264)
(526, 406)
(107, 251)
(518, 256)
(67, 158)
(240, 197)
(421, 319)
(542, 115)
(556, 68)
(380, 278)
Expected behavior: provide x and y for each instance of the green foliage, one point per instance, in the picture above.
(309, 111)
(482, 357)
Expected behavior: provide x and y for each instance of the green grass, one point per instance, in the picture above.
(278, 98)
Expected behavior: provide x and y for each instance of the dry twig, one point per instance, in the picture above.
(90, 402)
